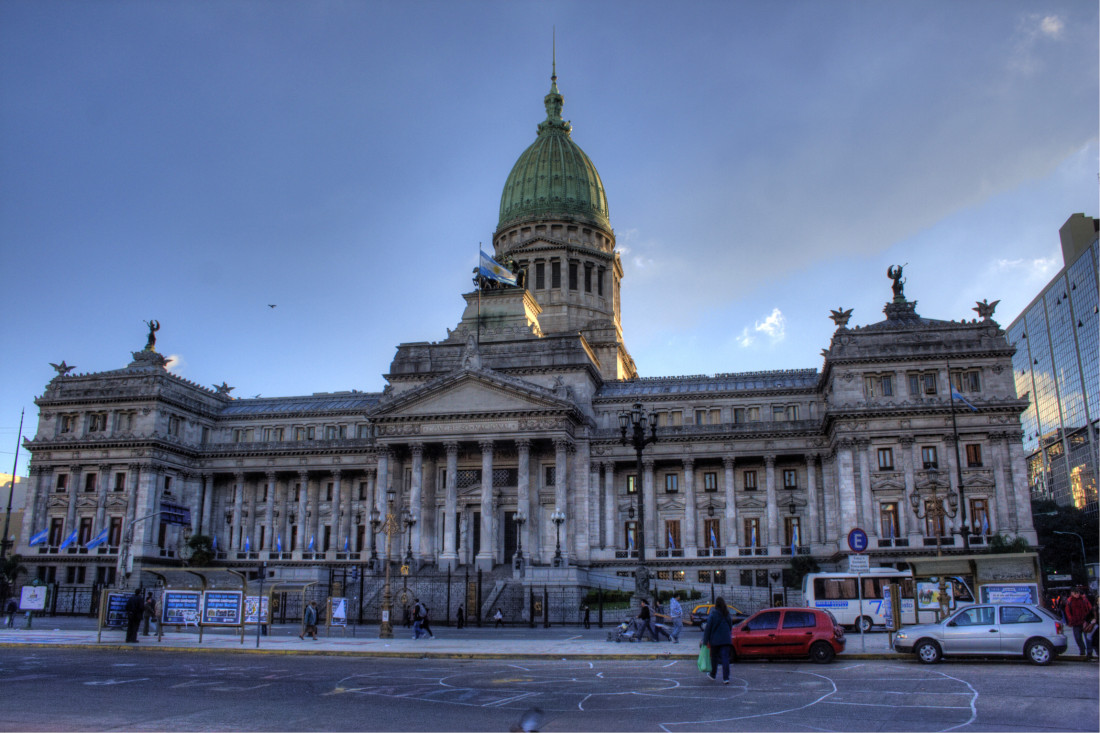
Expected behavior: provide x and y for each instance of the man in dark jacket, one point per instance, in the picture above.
(718, 635)
(1077, 610)
(135, 609)
(645, 622)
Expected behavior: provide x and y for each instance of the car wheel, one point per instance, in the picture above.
(864, 624)
(928, 651)
(821, 652)
(1039, 652)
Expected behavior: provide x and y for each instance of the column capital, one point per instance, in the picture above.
(689, 462)
(563, 444)
(769, 460)
(486, 446)
(134, 467)
(812, 458)
(863, 442)
(523, 443)
(75, 468)
(269, 474)
(451, 446)
(337, 473)
(417, 450)
(729, 461)
(303, 475)
(238, 476)
(648, 463)
(385, 451)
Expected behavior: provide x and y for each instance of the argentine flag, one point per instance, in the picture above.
(794, 540)
(214, 543)
(713, 539)
(68, 540)
(38, 539)
(671, 542)
(311, 538)
(753, 543)
(490, 268)
(247, 544)
(957, 396)
(345, 543)
(985, 524)
(279, 543)
(630, 539)
(98, 540)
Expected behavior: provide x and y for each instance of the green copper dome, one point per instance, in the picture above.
(553, 177)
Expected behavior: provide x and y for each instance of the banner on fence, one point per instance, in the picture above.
(222, 607)
(180, 607)
(251, 604)
(338, 612)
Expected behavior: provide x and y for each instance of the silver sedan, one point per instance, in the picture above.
(987, 629)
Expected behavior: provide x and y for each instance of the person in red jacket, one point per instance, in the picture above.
(1077, 611)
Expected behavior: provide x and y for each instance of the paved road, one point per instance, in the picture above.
(137, 689)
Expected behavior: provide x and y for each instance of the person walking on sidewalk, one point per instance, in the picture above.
(460, 616)
(11, 610)
(499, 618)
(587, 617)
(1077, 611)
(309, 621)
(134, 610)
(418, 618)
(426, 620)
(676, 615)
(645, 622)
(717, 634)
(149, 614)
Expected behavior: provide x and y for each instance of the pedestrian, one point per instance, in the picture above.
(1077, 611)
(717, 635)
(426, 620)
(461, 616)
(11, 609)
(676, 615)
(499, 618)
(1091, 635)
(645, 622)
(587, 617)
(418, 618)
(406, 618)
(135, 609)
(149, 614)
(309, 622)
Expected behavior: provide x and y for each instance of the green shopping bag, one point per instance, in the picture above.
(704, 659)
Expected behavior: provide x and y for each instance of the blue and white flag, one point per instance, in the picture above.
(279, 543)
(215, 543)
(38, 539)
(490, 268)
(311, 538)
(794, 540)
(247, 544)
(630, 539)
(345, 543)
(985, 524)
(753, 543)
(671, 542)
(98, 540)
(713, 539)
(68, 540)
(956, 395)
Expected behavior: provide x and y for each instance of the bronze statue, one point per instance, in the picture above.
(894, 273)
(154, 326)
(62, 368)
(985, 308)
(840, 317)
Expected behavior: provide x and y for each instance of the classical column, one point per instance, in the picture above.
(848, 517)
(732, 543)
(315, 517)
(595, 501)
(952, 524)
(649, 496)
(523, 493)
(578, 497)
(609, 534)
(151, 504)
(561, 497)
(1006, 503)
(870, 526)
(1025, 526)
(416, 495)
(772, 539)
(338, 511)
(101, 498)
(813, 536)
(31, 517)
(254, 523)
(689, 538)
(207, 487)
(830, 501)
(238, 508)
(303, 511)
(131, 499)
(449, 556)
(269, 514)
(907, 526)
(74, 491)
(485, 554)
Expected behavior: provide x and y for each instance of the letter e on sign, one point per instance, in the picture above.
(857, 540)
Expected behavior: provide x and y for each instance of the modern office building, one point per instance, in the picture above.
(1057, 366)
(502, 444)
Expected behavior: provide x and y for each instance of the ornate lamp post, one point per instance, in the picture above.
(636, 421)
(385, 630)
(935, 510)
(520, 519)
(410, 521)
(375, 520)
(557, 518)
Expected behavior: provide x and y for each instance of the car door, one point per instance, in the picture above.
(795, 633)
(972, 630)
(1018, 624)
(757, 636)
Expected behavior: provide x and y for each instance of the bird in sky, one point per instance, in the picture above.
(270, 305)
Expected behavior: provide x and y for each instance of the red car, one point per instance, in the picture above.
(789, 632)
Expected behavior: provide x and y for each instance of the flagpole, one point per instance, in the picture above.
(480, 280)
(964, 530)
(4, 541)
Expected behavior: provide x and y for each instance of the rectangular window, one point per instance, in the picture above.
(886, 459)
(120, 482)
(630, 535)
(328, 491)
(162, 535)
(57, 528)
(792, 412)
(738, 415)
(661, 418)
(967, 381)
(672, 534)
(555, 274)
(928, 457)
(67, 422)
(62, 482)
(790, 478)
(85, 534)
(173, 425)
(89, 482)
(114, 534)
(888, 519)
(672, 483)
(979, 517)
(922, 383)
(299, 433)
(710, 481)
(750, 480)
(362, 431)
(342, 432)
(330, 432)
(167, 484)
(327, 541)
(311, 433)
(712, 533)
(265, 435)
(540, 275)
(716, 417)
(362, 490)
(599, 281)
(675, 418)
(550, 474)
(632, 484)
(572, 275)
(779, 413)
(205, 436)
(887, 385)
(700, 417)
(752, 533)
(973, 455)
(97, 422)
(588, 278)
(933, 522)
(279, 434)
(792, 532)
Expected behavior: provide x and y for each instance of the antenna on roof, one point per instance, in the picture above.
(553, 53)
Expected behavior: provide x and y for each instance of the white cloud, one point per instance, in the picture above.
(774, 327)
(1051, 26)
(175, 363)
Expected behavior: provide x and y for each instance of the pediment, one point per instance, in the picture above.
(750, 504)
(471, 392)
(670, 505)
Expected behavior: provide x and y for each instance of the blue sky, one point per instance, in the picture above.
(764, 163)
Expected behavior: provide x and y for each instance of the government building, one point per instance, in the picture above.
(503, 444)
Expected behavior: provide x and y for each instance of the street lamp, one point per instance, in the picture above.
(375, 520)
(520, 518)
(410, 522)
(937, 512)
(557, 518)
(1084, 561)
(385, 630)
(636, 421)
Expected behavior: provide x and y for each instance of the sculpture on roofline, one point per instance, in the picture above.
(985, 308)
(894, 273)
(62, 368)
(840, 317)
(151, 343)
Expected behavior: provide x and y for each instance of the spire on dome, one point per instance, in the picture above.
(553, 100)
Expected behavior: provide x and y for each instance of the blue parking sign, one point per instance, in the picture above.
(857, 540)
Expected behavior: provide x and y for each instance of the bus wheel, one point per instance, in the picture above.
(864, 623)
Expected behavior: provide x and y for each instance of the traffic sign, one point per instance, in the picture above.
(859, 564)
(857, 540)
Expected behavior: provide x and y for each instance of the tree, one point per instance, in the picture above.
(10, 569)
(1001, 544)
(801, 566)
(202, 550)
(1061, 553)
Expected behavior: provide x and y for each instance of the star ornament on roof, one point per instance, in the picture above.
(62, 368)
(840, 317)
(223, 388)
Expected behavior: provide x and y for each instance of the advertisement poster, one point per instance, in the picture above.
(1010, 593)
(339, 612)
(33, 598)
(222, 607)
(115, 618)
(886, 609)
(250, 605)
(928, 595)
(180, 607)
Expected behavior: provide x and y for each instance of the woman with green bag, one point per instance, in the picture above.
(718, 637)
(704, 658)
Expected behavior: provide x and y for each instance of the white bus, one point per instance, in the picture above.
(839, 594)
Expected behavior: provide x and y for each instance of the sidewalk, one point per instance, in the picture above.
(556, 642)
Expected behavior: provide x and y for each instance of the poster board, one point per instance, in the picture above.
(222, 607)
(116, 617)
(33, 598)
(338, 612)
(180, 607)
(928, 595)
(1010, 593)
(254, 603)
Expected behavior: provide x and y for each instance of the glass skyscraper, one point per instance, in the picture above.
(1057, 364)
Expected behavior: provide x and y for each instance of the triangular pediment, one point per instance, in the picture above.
(750, 504)
(473, 392)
